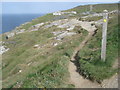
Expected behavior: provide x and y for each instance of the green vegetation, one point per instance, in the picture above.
(54, 73)
(22, 53)
(96, 8)
(91, 65)
(93, 18)
(100, 7)
(50, 75)
(48, 66)
(79, 30)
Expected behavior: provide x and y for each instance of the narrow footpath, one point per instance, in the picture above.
(78, 80)
(75, 78)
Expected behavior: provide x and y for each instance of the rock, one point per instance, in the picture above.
(20, 31)
(29, 63)
(55, 44)
(1, 42)
(71, 28)
(10, 42)
(58, 32)
(34, 30)
(56, 23)
(48, 26)
(61, 36)
(66, 25)
(10, 34)
(99, 22)
(3, 49)
(36, 46)
(38, 25)
(87, 26)
(60, 17)
(20, 71)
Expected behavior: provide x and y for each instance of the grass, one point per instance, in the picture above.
(93, 18)
(22, 49)
(49, 76)
(22, 52)
(49, 66)
(54, 74)
(96, 8)
(91, 65)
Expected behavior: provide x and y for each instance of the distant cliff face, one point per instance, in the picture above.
(37, 53)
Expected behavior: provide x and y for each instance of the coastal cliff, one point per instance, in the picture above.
(37, 54)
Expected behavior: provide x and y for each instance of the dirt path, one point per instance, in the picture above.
(81, 45)
(113, 81)
(78, 80)
(75, 77)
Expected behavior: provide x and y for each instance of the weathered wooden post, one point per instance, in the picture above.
(104, 35)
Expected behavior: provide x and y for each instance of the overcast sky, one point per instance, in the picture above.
(41, 7)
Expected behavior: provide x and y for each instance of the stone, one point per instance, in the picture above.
(71, 28)
(20, 71)
(10, 42)
(20, 31)
(10, 34)
(48, 26)
(38, 25)
(33, 30)
(55, 44)
(61, 36)
(36, 46)
(3, 49)
(58, 32)
(29, 63)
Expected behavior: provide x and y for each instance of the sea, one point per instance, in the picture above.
(10, 21)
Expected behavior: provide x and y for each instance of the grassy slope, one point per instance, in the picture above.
(23, 52)
(89, 57)
(96, 8)
(50, 71)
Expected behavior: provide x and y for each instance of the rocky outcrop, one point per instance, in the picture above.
(35, 27)
(61, 36)
(3, 49)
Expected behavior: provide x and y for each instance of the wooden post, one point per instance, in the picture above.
(104, 35)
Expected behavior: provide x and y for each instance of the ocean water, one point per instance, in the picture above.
(10, 21)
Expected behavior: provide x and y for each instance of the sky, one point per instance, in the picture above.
(39, 7)
(36, 7)
(60, 0)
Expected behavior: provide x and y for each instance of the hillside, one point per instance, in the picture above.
(39, 53)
